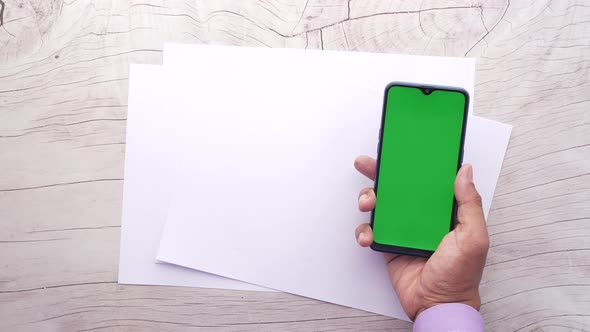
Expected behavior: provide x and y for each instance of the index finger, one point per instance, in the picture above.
(366, 165)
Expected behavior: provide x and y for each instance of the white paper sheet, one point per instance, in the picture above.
(486, 142)
(355, 69)
(149, 173)
(268, 191)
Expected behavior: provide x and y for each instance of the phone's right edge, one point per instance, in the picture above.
(461, 151)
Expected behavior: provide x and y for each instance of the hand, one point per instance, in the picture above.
(452, 274)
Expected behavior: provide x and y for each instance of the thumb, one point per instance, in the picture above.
(470, 219)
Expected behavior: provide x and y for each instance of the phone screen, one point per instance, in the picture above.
(421, 144)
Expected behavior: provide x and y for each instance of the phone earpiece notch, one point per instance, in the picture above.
(426, 91)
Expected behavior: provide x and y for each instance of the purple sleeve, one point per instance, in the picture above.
(449, 317)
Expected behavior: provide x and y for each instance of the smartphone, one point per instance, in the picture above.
(420, 151)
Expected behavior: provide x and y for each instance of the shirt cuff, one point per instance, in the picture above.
(449, 317)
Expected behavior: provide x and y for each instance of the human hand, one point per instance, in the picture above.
(452, 274)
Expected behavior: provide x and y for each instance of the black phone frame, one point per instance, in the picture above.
(427, 90)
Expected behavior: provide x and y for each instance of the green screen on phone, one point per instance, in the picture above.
(420, 151)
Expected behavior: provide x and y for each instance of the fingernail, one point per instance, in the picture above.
(361, 237)
(470, 173)
(364, 197)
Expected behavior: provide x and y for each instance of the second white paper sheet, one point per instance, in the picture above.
(149, 174)
(268, 192)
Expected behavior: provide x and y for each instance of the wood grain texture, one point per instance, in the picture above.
(63, 93)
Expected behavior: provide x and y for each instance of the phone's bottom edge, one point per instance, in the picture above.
(401, 250)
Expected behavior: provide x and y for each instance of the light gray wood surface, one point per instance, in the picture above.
(63, 92)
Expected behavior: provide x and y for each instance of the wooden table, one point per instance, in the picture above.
(63, 91)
